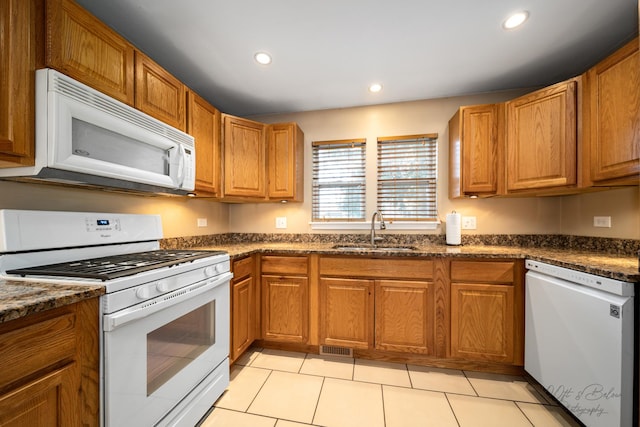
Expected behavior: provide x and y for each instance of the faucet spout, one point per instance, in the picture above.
(383, 226)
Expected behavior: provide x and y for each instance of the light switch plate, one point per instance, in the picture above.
(281, 222)
(602, 221)
(202, 222)
(468, 222)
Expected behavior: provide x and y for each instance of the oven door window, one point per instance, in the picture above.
(175, 345)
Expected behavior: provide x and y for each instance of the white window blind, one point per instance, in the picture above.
(407, 173)
(339, 180)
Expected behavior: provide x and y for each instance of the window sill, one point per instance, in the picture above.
(398, 225)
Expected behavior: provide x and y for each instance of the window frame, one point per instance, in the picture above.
(355, 190)
(390, 156)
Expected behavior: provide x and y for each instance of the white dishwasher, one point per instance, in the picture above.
(579, 342)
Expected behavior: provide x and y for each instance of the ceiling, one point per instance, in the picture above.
(326, 53)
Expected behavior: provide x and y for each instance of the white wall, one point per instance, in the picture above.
(494, 216)
(527, 215)
(550, 215)
(179, 214)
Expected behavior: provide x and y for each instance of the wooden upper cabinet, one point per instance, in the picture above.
(203, 123)
(244, 158)
(81, 46)
(285, 162)
(158, 93)
(21, 23)
(613, 88)
(542, 138)
(475, 150)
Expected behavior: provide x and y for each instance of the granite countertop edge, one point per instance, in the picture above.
(21, 298)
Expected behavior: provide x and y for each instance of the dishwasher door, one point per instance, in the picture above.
(579, 346)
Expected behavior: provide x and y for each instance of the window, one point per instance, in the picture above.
(407, 172)
(339, 180)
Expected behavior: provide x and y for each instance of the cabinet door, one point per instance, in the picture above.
(45, 401)
(81, 46)
(482, 322)
(474, 150)
(285, 162)
(244, 158)
(541, 138)
(203, 123)
(19, 21)
(614, 92)
(404, 316)
(285, 309)
(346, 312)
(158, 93)
(243, 308)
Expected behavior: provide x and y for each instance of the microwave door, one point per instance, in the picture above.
(95, 142)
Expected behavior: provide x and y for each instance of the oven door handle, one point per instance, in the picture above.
(116, 320)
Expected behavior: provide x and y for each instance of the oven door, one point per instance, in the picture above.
(156, 352)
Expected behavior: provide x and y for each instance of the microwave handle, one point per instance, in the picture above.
(182, 154)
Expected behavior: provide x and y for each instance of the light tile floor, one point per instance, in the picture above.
(271, 388)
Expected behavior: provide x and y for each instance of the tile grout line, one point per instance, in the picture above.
(446, 396)
(315, 410)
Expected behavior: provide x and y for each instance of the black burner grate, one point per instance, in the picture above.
(112, 267)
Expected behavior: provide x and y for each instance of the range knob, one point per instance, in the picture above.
(162, 286)
(142, 293)
(210, 271)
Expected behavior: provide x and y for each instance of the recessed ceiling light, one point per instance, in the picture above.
(515, 20)
(376, 87)
(262, 58)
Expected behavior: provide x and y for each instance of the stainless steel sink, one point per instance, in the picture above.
(374, 248)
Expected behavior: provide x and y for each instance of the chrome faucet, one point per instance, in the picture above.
(383, 226)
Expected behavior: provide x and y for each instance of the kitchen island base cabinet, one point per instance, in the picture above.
(50, 367)
(346, 310)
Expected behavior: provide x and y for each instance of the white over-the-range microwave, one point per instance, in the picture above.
(88, 138)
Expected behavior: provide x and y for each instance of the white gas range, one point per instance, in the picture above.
(165, 313)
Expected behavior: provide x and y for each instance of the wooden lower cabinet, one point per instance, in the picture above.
(243, 315)
(244, 311)
(404, 316)
(482, 322)
(50, 367)
(487, 311)
(42, 401)
(285, 309)
(346, 310)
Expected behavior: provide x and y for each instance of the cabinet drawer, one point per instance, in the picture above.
(284, 265)
(482, 271)
(378, 268)
(35, 342)
(242, 268)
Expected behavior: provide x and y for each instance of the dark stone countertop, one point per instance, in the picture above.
(614, 266)
(21, 298)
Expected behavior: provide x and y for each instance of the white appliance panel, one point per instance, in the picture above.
(579, 346)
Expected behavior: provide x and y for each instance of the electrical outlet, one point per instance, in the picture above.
(468, 222)
(202, 222)
(281, 222)
(602, 221)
